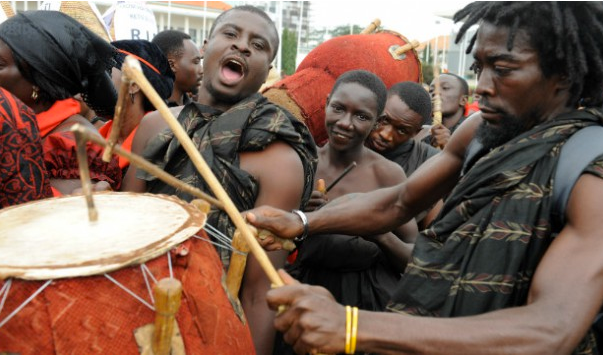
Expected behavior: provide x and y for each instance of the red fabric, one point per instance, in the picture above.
(471, 108)
(91, 315)
(316, 74)
(126, 145)
(60, 156)
(60, 148)
(60, 111)
(23, 176)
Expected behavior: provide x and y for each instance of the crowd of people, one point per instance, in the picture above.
(437, 240)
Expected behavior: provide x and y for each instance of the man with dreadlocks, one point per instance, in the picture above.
(491, 275)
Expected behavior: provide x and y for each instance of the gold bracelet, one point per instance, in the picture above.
(354, 335)
(348, 328)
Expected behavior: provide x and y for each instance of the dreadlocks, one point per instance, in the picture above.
(574, 33)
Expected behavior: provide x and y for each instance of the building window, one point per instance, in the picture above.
(193, 33)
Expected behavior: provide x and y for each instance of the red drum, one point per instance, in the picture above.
(305, 92)
(93, 315)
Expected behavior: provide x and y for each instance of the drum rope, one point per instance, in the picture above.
(145, 270)
(130, 292)
(169, 258)
(4, 292)
(218, 235)
(18, 309)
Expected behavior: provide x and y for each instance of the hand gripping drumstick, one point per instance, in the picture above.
(132, 69)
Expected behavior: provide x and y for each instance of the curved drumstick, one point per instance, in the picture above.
(132, 69)
(83, 134)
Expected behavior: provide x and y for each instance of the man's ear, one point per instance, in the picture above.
(134, 88)
(564, 82)
(328, 98)
(173, 65)
(464, 100)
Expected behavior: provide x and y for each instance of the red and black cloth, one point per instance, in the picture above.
(23, 175)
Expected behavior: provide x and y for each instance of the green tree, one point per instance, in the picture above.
(289, 51)
(345, 30)
(427, 72)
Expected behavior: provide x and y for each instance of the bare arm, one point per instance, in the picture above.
(555, 319)
(152, 124)
(388, 207)
(281, 185)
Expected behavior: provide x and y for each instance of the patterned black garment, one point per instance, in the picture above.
(481, 253)
(411, 154)
(353, 269)
(250, 125)
(23, 176)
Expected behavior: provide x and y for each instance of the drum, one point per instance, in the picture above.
(89, 283)
(305, 92)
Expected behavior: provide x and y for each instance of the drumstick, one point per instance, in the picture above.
(343, 174)
(82, 161)
(117, 118)
(437, 101)
(134, 72)
(143, 164)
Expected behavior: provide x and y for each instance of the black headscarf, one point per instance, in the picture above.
(62, 57)
(154, 63)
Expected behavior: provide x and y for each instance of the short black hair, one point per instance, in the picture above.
(417, 98)
(464, 84)
(368, 80)
(568, 37)
(171, 42)
(253, 10)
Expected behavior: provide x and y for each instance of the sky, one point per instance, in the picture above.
(414, 19)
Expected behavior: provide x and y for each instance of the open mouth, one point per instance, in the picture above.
(233, 70)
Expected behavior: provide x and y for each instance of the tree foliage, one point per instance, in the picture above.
(289, 51)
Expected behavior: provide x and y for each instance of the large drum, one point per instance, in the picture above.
(305, 92)
(43, 241)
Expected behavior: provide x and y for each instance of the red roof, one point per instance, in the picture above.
(216, 5)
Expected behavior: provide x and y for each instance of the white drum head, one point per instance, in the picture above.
(52, 238)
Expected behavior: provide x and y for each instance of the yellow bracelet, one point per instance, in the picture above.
(354, 335)
(348, 328)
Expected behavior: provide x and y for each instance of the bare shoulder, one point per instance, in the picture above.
(279, 171)
(276, 157)
(150, 125)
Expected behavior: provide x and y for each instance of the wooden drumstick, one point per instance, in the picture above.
(82, 161)
(118, 117)
(167, 293)
(143, 164)
(407, 47)
(437, 100)
(371, 27)
(134, 72)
